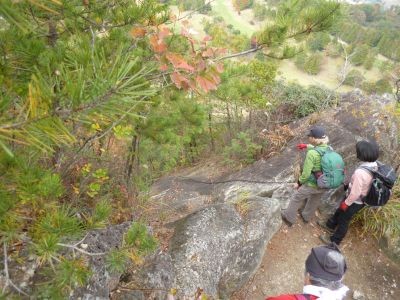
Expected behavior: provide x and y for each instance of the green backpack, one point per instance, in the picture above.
(332, 165)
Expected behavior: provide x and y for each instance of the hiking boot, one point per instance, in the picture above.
(325, 238)
(323, 225)
(289, 224)
(304, 220)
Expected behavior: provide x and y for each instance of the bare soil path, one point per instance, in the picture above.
(369, 270)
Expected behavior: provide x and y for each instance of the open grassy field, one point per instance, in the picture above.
(245, 22)
(225, 9)
(328, 76)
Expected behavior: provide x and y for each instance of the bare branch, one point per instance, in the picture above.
(8, 280)
(73, 247)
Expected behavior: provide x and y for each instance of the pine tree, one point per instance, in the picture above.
(71, 73)
(75, 72)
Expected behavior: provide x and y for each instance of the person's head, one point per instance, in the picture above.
(317, 136)
(325, 266)
(367, 151)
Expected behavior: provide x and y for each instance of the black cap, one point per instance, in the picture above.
(326, 262)
(317, 132)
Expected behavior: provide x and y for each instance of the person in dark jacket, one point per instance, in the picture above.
(307, 190)
(325, 268)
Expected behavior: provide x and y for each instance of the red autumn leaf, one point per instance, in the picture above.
(178, 61)
(208, 53)
(176, 79)
(213, 76)
(201, 66)
(207, 38)
(158, 45)
(219, 67)
(179, 80)
(164, 32)
(164, 67)
(220, 51)
(205, 84)
(138, 32)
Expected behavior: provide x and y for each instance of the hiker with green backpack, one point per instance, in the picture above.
(323, 169)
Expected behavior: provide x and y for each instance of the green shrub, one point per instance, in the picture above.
(313, 64)
(354, 78)
(302, 101)
(309, 64)
(360, 55)
(319, 41)
(383, 86)
(242, 149)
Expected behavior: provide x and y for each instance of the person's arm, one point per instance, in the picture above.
(308, 166)
(359, 180)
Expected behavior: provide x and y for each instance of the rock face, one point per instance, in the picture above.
(221, 230)
(102, 282)
(217, 249)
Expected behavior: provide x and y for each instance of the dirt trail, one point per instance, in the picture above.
(369, 270)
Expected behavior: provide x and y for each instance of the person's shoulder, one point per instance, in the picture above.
(283, 297)
(363, 171)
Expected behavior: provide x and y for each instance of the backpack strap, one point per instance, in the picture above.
(370, 170)
(322, 151)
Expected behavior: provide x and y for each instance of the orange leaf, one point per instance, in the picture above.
(205, 84)
(219, 67)
(138, 32)
(179, 80)
(164, 67)
(164, 33)
(178, 61)
(208, 53)
(158, 45)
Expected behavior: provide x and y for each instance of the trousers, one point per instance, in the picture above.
(340, 221)
(311, 196)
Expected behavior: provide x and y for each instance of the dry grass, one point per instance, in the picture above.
(277, 140)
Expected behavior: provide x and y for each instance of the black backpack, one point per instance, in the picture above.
(382, 183)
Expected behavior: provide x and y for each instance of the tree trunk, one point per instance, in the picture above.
(210, 130)
(228, 115)
(132, 164)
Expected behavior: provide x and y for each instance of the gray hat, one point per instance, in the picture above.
(326, 262)
(317, 132)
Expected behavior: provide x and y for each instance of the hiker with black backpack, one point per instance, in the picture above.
(322, 169)
(325, 268)
(370, 185)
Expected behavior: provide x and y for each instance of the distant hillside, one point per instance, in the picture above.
(386, 3)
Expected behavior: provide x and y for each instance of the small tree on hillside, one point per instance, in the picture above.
(354, 78)
(360, 54)
(318, 41)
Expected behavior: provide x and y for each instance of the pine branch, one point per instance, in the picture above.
(308, 30)
(8, 280)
